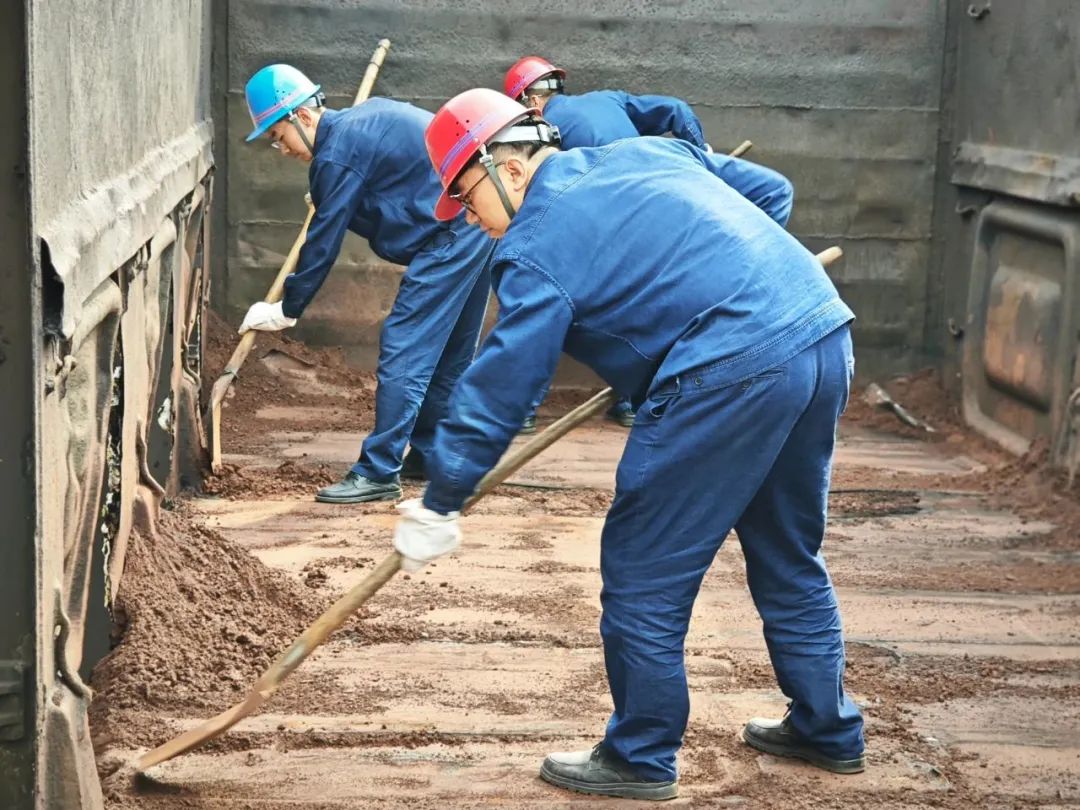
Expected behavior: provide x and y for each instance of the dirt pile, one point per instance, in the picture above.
(1031, 487)
(200, 620)
(1028, 484)
(237, 482)
(924, 396)
(280, 378)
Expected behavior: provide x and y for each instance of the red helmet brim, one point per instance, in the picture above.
(447, 208)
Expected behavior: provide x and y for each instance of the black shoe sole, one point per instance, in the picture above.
(621, 790)
(389, 495)
(841, 766)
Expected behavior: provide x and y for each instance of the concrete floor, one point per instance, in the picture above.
(456, 681)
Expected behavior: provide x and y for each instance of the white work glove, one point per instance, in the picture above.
(266, 318)
(422, 535)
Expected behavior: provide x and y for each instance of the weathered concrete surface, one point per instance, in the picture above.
(843, 98)
(456, 682)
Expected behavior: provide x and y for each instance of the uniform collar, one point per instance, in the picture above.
(556, 100)
(324, 128)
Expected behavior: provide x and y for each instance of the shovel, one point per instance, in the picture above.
(339, 612)
(243, 348)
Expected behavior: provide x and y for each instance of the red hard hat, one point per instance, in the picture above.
(525, 71)
(460, 128)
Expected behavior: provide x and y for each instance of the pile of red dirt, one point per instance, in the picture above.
(281, 375)
(924, 396)
(1027, 484)
(237, 482)
(200, 619)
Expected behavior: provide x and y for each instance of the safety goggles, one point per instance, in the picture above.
(551, 84)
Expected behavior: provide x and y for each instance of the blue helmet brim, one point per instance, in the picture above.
(261, 129)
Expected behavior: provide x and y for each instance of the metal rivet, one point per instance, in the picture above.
(697, 380)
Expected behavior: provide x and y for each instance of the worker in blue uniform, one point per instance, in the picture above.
(596, 119)
(369, 174)
(668, 271)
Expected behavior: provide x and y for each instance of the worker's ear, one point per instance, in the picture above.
(305, 115)
(518, 170)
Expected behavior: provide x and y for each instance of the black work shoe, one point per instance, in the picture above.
(529, 425)
(603, 773)
(621, 415)
(354, 488)
(412, 467)
(777, 737)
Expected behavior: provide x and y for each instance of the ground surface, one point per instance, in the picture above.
(957, 569)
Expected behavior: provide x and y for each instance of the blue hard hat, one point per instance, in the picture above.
(274, 93)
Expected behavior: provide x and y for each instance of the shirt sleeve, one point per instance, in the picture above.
(767, 189)
(493, 397)
(335, 191)
(659, 115)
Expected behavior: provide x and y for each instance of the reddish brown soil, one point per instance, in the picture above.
(1027, 485)
(924, 396)
(237, 482)
(342, 395)
(201, 619)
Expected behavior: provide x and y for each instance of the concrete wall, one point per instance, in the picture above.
(842, 97)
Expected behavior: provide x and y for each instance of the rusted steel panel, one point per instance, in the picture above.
(1037, 176)
(21, 704)
(1006, 220)
(117, 96)
(1018, 74)
(1023, 323)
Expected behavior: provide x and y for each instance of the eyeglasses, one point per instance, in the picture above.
(278, 142)
(466, 198)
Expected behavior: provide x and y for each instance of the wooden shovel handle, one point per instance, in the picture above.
(339, 612)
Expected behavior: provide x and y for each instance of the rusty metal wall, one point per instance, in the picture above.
(121, 95)
(1004, 315)
(20, 707)
(842, 97)
(110, 296)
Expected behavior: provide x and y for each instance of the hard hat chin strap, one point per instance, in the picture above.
(295, 121)
(488, 162)
(532, 131)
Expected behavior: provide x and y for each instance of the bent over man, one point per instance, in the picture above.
(369, 174)
(596, 119)
(669, 272)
